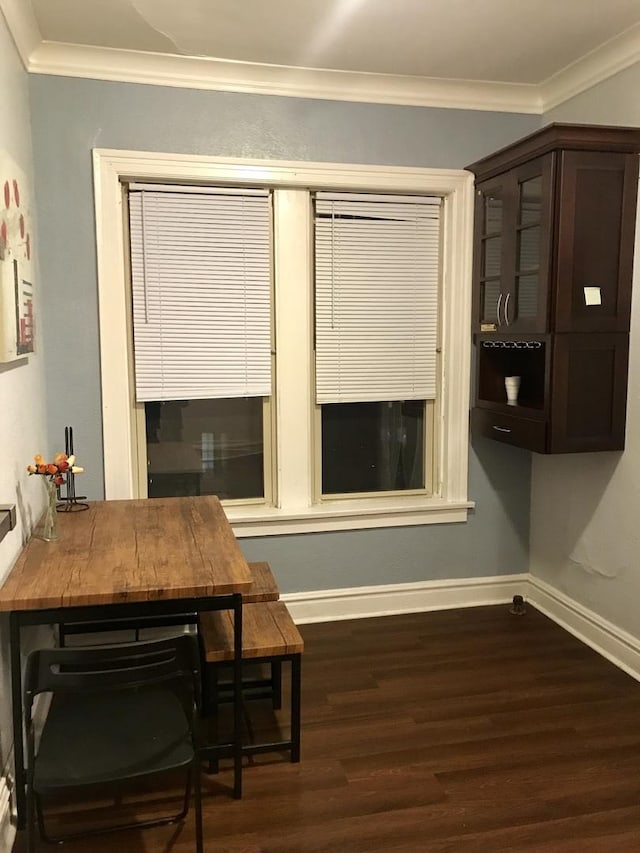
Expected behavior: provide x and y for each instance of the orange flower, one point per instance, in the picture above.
(57, 469)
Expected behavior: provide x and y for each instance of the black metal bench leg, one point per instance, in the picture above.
(296, 683)
(276, 684)
(213, 698)
(197, 792)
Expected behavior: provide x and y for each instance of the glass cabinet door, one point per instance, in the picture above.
(490, 245)
(525, 306)
(512, 240)
(527, 276)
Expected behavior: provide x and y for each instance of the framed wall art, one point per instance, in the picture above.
(16, 267)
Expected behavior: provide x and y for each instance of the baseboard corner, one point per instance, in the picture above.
(612, 642)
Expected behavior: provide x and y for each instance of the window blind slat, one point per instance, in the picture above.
(377, 262)
(201, 282)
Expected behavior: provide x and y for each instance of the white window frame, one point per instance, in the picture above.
(296, 510)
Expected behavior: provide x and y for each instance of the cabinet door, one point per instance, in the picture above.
(589, 380)
(596, 215)
(527, 286)
(512, 250)
(492, 248)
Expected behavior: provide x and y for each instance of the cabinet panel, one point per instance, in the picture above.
(589, 377)
(597, 199)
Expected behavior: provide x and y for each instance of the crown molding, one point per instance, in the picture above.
(22, 25)
(99, 63)
(618, 53)
(254, 78)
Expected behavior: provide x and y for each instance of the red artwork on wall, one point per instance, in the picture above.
(17, 330)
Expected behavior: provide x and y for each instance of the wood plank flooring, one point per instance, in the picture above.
(446, 732)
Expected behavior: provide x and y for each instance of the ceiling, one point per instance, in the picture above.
(389, 50)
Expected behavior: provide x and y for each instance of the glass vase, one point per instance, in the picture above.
(48, 528)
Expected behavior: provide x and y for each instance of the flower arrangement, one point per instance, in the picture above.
(57, 469)
(54, 474)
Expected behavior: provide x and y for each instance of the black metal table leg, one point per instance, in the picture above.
(237, 696)
(16, 701)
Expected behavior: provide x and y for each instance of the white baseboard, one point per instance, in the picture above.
(7, 826)
(618, 646)
(360, 602)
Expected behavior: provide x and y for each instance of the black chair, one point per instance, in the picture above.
(117, 713)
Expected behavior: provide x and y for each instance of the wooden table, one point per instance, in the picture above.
(124, 559)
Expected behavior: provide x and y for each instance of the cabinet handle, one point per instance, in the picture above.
(506, 309)
(498, 309)
(501, 429)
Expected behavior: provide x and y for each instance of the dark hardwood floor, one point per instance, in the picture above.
(457, 731)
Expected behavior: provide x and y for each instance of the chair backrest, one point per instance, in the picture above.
(113, 667)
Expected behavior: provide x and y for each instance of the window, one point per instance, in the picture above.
(205, 447)
(418, 437)
(201, 297)
(374, 447)
(377, 275)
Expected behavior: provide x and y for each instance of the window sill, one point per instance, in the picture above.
(345, 515)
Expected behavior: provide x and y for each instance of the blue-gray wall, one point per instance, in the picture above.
(585, 538)
(72, 116)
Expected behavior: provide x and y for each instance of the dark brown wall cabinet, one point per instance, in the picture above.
(553, 260)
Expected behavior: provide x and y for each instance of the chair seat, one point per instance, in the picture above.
(83, 743)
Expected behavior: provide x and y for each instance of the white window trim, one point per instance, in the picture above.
(295, 512)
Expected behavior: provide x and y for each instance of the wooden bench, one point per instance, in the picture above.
(269, 635)
(263, 588)
(263, 585)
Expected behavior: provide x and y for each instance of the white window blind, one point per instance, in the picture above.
(377, 280)
(201, 279)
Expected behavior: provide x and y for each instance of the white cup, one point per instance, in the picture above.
(512, 385)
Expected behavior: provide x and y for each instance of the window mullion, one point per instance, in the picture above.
(293, 327)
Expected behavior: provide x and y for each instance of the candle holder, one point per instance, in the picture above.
(69, 501)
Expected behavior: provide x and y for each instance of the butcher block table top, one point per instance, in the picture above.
(126, 551)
